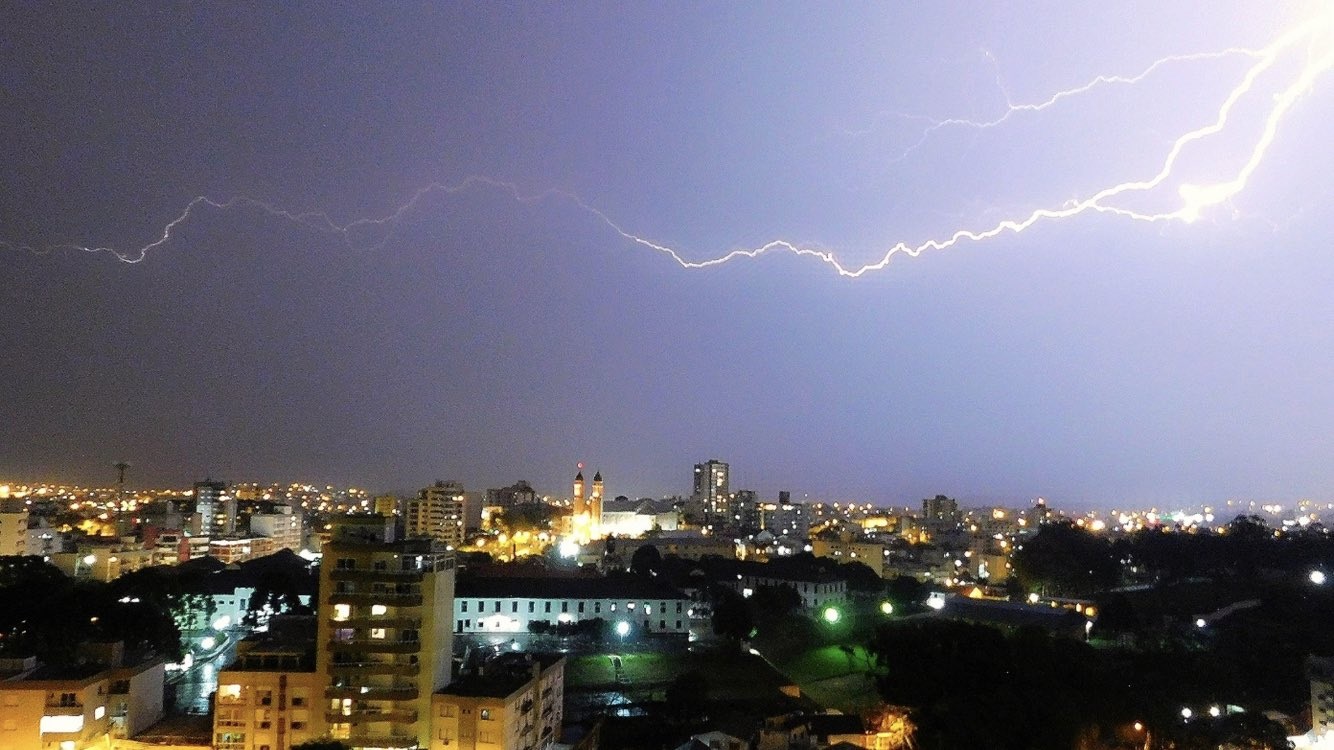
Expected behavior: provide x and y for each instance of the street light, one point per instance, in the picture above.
(831, 615)
(886, 608)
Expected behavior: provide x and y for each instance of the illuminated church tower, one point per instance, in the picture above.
(586, 520)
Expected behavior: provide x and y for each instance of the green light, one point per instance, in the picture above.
(886, 608)
(831, 615)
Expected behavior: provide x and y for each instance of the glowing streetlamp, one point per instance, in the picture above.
(831, 615)
(886, 608)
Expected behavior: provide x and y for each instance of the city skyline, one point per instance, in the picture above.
(513, 322)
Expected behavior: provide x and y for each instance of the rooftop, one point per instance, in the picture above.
(502, 676)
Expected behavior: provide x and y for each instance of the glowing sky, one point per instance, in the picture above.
(1095, 359)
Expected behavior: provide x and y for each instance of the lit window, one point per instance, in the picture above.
(342, 612)
(377, 632)
(378, 609)
(486, 713)
(99, 712)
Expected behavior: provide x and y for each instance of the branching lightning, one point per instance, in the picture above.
(1313, 39)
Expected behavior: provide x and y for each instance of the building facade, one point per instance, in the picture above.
(514, 703)
(711, 490)
(513, 605)
(436, 513)
(384, 645)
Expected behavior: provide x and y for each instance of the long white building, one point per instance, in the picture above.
(511, 605)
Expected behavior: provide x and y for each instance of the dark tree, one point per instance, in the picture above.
(731, 616)
(687, 695)
(1066, 560)
(646, 560)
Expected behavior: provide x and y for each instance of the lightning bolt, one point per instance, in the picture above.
(1011, 109)
(1316, 37)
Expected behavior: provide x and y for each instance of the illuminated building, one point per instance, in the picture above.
(871, 554)
(384, 637)
(13, 527)
(216, 508)
(634, 518)
(711, 492)
(270, 695)
(513, 703)
(386, 505)
(78, 707)
(586, 519)
(282, 526)
(512, 604)
(436, 513)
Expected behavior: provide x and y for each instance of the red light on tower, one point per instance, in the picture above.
(581, 466)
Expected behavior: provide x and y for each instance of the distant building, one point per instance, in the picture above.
(386, 505)
(506, 498)
(635, 518)
(436, 513)
(513, 604)
(817, 590)
(940, 509)
(216, 508)
(711, 491)
(871, 554)
(282, 525)
(586, 519)
(513, 703)
(13, 527)
(785, 518)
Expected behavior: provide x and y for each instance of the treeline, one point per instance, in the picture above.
(1066, 560)
(973, 686)
(46, 614)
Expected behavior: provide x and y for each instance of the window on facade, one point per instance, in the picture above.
(581, 608)
(514, 606)
(564, 606)
(377, 633)
(530, 607)
(465, 606)
(486, 714)
(546, 607)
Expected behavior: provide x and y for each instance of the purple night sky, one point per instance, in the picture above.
(1095, 360)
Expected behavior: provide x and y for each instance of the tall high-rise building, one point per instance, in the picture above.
(712, 494)
(436, 513)
(385, 633)
(216, 508)
(940, 509)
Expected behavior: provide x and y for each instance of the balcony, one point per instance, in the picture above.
(371, 692)
(365, 574)
(64, 709)
(395, 741)
(365, 715)
(376, 645)
(376, 597)
(384, 621)
(375, 667)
